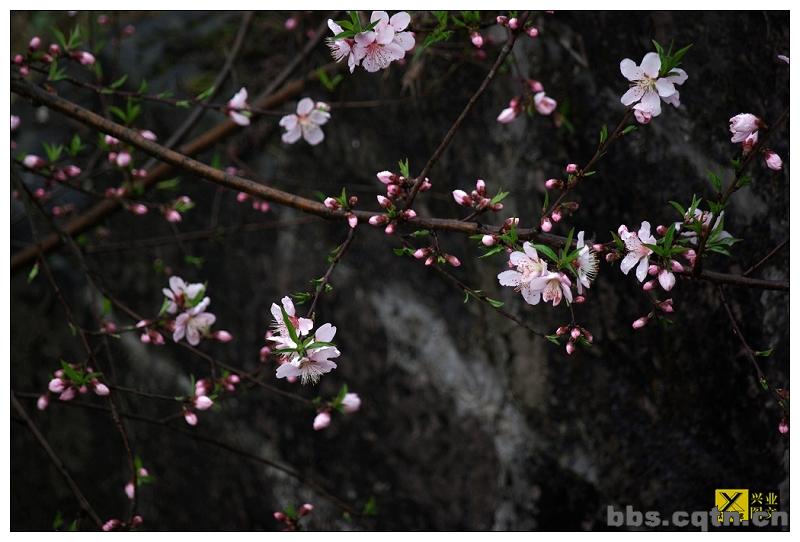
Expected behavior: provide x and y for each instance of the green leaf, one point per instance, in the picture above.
(547, 251)
(495, 303)
(764, 353)
(404, 168)
(33, 272)
(628, 129)
(370, 507)
(205, 94)
(119, 82)
(603, 134)
(168, 184)
(500, 196)
(289, 326)
(716, 183)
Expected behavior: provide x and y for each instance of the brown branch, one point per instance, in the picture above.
(340, 251)
(281, 197)
(765, 259)
(270, 98)
(59, 465)
(501, 58)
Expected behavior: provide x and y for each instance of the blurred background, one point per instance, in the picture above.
(468, 422)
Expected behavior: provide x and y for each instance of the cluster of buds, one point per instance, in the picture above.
(291, 517)
(477, 198)
(49, 171)
(199, 401)
(558, 212)
(513, 24)
(36, 53)
(431, 255)
(142, 477)
(573, 175)
(744, 129)
(664, 306)
(490, 239)
(574, 335)
(398, 186)
(392, 216)
(114, 524)
(71, 380)
(537, 101)
(173, 212)
(259, 204)
(344, 402)
(346, 203)
(150, 335)
(664, 274)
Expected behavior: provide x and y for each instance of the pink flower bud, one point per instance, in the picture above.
(103, 20)
(546, 225)
(661, 229)
(691, 256)
(666, 306)
(54, 49)
(408, 214)
(640, 322)
(772, 160)
(42, 402)
(480, 186)
(384, 202)
(386, 177)
(552, 183)
(513, 23)
(556, 216)
(87, 59)
(562, 330)
(331, 203)
(535, 86)
(56, 385)
(190, 417)
(462, 198)
(280, 516)
(532, 31)
(421, 253)
(378, 220)
(452, 260)
(241, 197)
(676, 266)
(136, 520)
(430, 260)
(351, 403)
(101, 389)
(570, 347)
(653, 270)
(203, 402)
(35, 43)
(352, 220)
(264, 353)
(426, 185)
(172, 215)
(68, 394)
(575, 333)
(130, 490)
(598, 247)
(488, 240)
(389, 229)
(322, 420)
(138, 209)
(305, 509)
(507, 115)
(649, 285)
(290, 23)
(148, 135)
(111, 525)
(476, 39)
(571, 168)
(502, 20)
(222, 336)
(783, 427)
(666, 279)
(33, 162)
(123, 159)
(72, 171)
(579, 299)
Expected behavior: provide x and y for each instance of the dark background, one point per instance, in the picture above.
(467, 422)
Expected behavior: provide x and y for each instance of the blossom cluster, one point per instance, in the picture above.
(398, 187)
(650, 85)
(373, 49)
(744, 129)
(71, 380)
(478, 200)
(301, 354)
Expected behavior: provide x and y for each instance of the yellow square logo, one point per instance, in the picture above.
(733, 500)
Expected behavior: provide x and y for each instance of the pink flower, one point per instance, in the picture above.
(544, 104)
(552, 287)
(647, 88)
(351, 403)
(742, 126)
(281, 336)
(305, 123)
(322, 420)
(237, 108)
(316, 361)
(637, 252)
(179, 293)
(772, 160)
(397, 23)
(527, 267)
(586, 264)
(194, 323)
(376, 48)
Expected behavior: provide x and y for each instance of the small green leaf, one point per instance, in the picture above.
(764, 353)
(34, 271)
